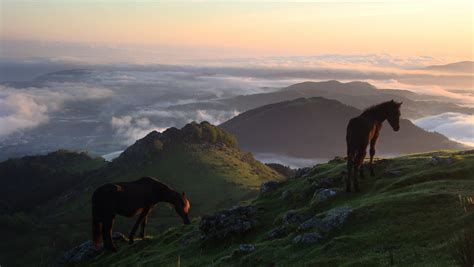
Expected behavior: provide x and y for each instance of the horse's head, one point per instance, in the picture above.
(393, 115)
(182, 206)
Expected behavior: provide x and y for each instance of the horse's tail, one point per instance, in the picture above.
(96, 221)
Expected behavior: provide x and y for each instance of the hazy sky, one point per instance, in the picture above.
(405, 28)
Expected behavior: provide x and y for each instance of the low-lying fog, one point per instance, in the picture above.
(48, 105)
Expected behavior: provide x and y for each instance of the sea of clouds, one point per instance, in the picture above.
(457, 126)
(124, 102)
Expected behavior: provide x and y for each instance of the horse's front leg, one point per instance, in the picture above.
(372, 153)
(141, 217)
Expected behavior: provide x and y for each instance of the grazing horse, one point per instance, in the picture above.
(130, 199)
(364, 130)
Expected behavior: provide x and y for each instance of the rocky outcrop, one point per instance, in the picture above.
(333, 220)
(294, 217)
(307, 238)
(246, 248)
(322, 195)
(86, 251)
(235, 221)
(279, 232)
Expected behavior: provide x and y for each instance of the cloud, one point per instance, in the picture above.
(129, 129)
(27, 108)
(20, 111)
(456, 126)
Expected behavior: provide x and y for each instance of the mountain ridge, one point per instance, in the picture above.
(316, 127)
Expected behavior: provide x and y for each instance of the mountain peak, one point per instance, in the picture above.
(154, 143)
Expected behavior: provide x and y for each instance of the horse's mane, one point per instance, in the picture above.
(376, 108)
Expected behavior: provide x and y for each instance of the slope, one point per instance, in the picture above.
(200, 159)
(408, 215)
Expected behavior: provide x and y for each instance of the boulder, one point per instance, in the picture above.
(310, 223)
(246, 248)
(307, 238)
(86, 251)
(336, 218)
(235, 221)
(279, 232)
(294, 217)
(268, 186)
(322, 195)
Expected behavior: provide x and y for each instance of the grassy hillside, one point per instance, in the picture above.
(408, 215)
(200, 159)
(32, 180)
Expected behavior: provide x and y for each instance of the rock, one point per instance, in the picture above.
(268, 186)
(294, 217)
(278, 233)
(286, 195)
(322, 195)
(307, 238)
(335, 218)
(86, 251)
(311, 223)
(235, 221)
(436, 160)
(83, 252)
(247, 248)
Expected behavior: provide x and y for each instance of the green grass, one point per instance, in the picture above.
(213, 177)
(408, 219)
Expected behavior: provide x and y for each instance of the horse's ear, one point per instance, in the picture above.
(392, 101)
(400, 103)
(184, 194)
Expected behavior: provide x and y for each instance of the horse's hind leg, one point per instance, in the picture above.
(350, 167)
(107, 234)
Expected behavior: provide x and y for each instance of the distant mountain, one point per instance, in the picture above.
(201, 159)
(357, 94)
(316, 127)
(462, 66)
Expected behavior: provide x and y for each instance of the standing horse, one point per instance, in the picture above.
(364, 130)
(130, 199)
